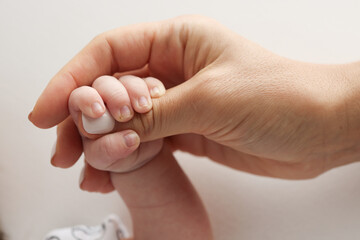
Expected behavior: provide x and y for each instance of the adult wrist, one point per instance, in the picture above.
(343, 143)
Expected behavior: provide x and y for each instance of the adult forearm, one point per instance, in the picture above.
(342, 143)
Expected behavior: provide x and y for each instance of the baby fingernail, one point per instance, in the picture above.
(131, 139)
(143, 102)
(125, 112)
(97, 108)
(155, 92)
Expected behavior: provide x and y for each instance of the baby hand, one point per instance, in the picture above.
(158, 193)
(120, 150)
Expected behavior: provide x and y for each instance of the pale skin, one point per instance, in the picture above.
(161, 200)
(228, 99)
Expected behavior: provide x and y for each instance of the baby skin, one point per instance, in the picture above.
(161, 200)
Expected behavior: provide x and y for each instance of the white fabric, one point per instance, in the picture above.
(112, 228)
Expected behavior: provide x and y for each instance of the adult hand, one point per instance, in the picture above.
(246, 107)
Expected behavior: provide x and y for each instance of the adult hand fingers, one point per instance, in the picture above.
(68, 147)
(177, 111)
(124, 49)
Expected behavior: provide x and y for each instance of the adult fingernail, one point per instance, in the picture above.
(143, 102)
(131, 139)
(97, 108)
(125, 112)
(81, 178)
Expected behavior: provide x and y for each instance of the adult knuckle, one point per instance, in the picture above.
(145, 123)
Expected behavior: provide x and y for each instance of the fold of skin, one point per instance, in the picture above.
(162, 201)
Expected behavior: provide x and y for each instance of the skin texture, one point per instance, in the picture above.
(228, 98)
(119, 151)
(161, 200)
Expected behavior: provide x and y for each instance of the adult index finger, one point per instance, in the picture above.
(123, 49)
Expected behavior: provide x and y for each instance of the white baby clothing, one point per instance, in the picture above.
(112, 228)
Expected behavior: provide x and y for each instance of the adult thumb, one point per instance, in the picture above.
(176, 112)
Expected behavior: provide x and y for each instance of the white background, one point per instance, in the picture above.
(38, 37)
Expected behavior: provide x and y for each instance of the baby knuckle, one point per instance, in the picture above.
(115, 96)
(100, 81)
(109, 150)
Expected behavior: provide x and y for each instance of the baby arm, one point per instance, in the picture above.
(162, 202)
